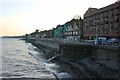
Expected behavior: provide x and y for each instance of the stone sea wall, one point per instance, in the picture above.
(74, 52)
(88, 61)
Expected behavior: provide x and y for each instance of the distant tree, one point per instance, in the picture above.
(36, 31)
(76, 17)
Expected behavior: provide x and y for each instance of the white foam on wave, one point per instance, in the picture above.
(48, 65)
(31, 48)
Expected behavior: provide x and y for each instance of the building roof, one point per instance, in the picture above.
(90, 11)
(118, 1)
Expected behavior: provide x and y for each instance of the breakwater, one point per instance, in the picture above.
(90, 60)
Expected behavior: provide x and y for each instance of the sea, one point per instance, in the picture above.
(19, 59)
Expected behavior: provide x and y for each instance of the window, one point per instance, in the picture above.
(70, 33)
(117, 20)
(76, 32)
(111, 27)
(117, 30)
(106, 31)
(106, 22)
(117, 8)
(117, 17)
(110, 13)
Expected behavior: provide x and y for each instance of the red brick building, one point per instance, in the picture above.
(103, 22)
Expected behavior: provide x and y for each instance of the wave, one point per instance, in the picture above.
(52, 67)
